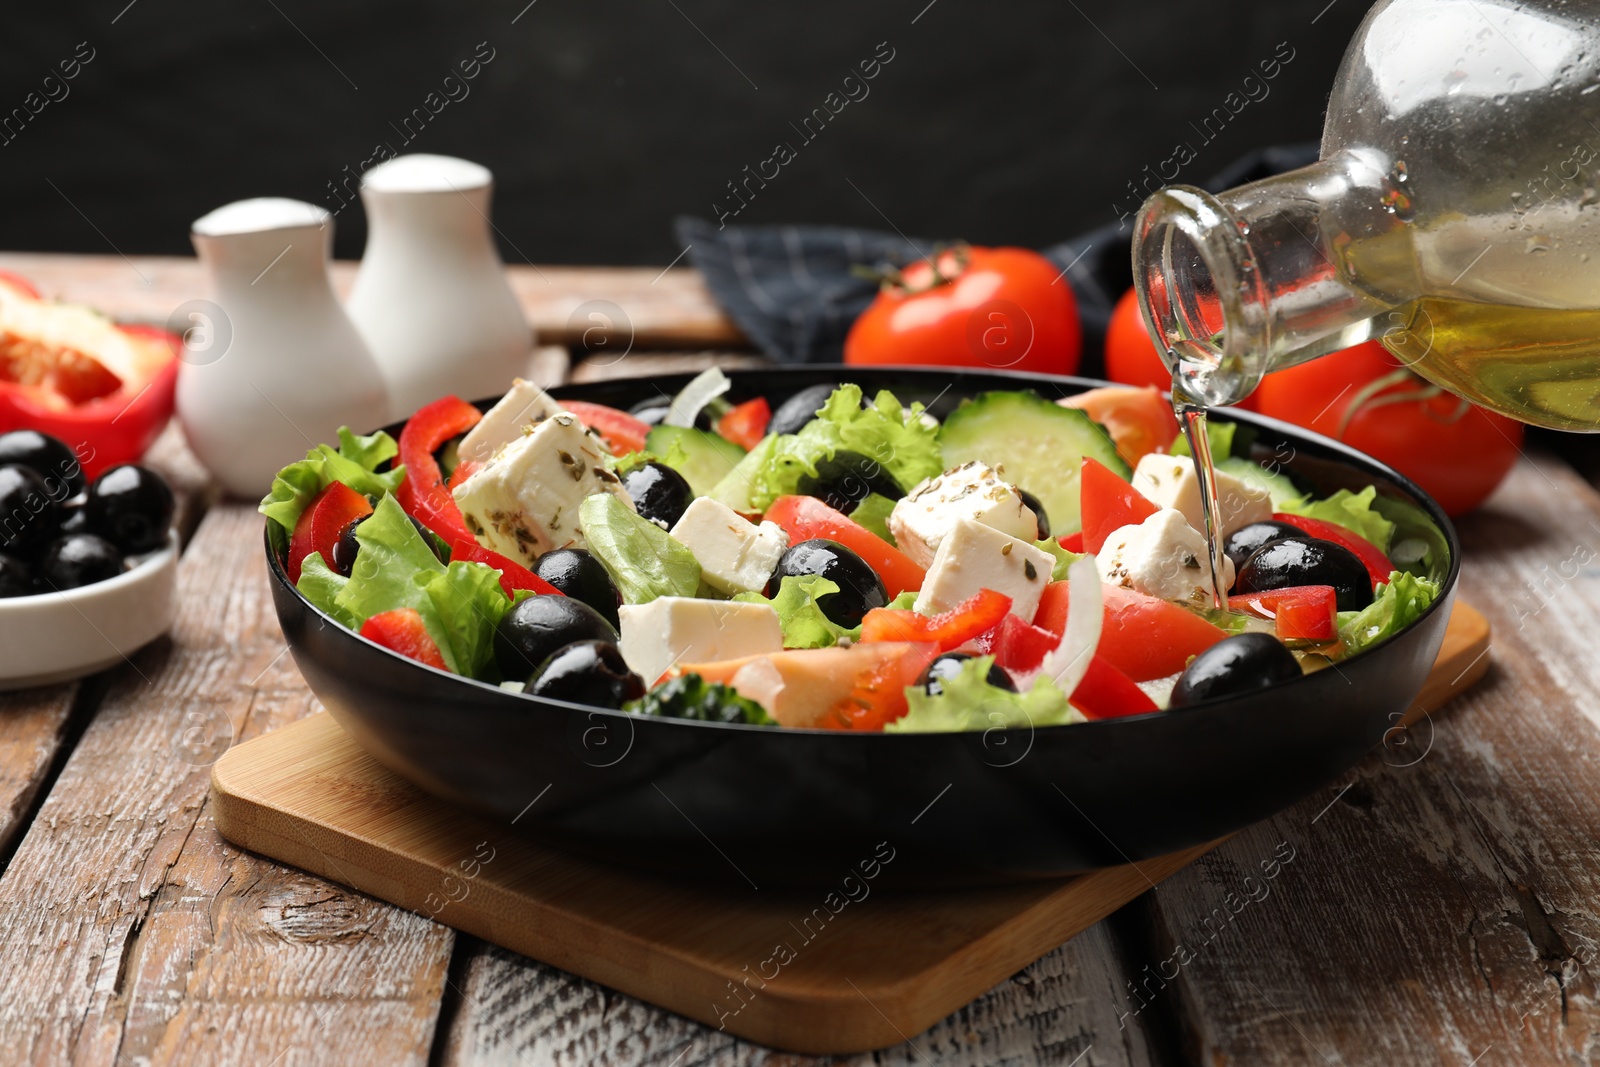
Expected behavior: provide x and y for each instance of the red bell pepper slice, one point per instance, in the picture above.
(806, 517)
(423, 493)
(746, 424)
(1299, 612)
(402, 631)
(976, 615)
(1371, 557)
(1020, 646)
(622, 432)
(465, 469)
(513, 575)
(1107, 693)
(1142, 636)
(321, 523)
(1108, 504)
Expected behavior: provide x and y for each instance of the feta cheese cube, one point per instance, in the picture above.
(680, 629)
(735, 554)
(924, 516)
(1170, 482)
(524, 501)
(523, 405)
(974, 556)
(1163, 556)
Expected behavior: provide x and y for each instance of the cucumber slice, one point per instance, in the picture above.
(703, 458)
(1040, 444)
(1277, 486)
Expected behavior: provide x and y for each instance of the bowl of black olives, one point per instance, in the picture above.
(88, 569)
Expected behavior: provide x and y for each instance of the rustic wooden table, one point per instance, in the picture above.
(1442, 904)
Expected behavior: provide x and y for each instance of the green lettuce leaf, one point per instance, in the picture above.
(969, 702)
(905, 601)
(1418, 545)
(804, 625)
(873, 514)
(352, 463)
(1353, 511)
(689, 696)
(644, 560)
(1395, 605)
(1063, 558)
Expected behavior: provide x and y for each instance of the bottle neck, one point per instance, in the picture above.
(1260, 278)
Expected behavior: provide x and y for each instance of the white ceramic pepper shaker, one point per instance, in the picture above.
(282, 368)
(431, 298)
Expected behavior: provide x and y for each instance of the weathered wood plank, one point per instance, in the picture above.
(1443, 903)
(658, 309)
(599, 368)
(131, 931)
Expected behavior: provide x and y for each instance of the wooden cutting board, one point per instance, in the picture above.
(775, 967)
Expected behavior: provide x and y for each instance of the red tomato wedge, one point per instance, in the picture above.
(321, 523)
(1142, 636)
(878, 696)
(423, 493)
(1139, 420)
(806, 517)
(20, 284)
(513, 575)
(978, 614)
(859, 687)
(1109, 503)
(1298, 612)
(1378, 566)
(621, 432)
(1072, 542)
(1107, 693)
(746, 424)
(402, 631)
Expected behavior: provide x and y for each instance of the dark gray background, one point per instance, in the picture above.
(1017, 122)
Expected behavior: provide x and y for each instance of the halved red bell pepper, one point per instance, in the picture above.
(806, 517)
(321, 523)
(513, 575)
(746, 424)
(1108, 504)
(1371, 557)
(1107, 693)
(1298, 612)
(976, 615)
(1142, 636)
(401, 630)
(423, 493)
(622, 432)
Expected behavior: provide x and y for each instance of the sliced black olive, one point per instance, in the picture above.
(860, 588)
(531, 631)
(346, 548)
(1235, 665)
(131, 507)
(659, 493)
(46, 455)
(948, 665)
(847, 478)
(1240, 545)
(80, 559)
(578, 574)
(1035, 506)
(654, 411)
(16, 578)
(802, 407)
(29, 517)
(587, 672)
(1304, 560)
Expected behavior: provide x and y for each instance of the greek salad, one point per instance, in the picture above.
(843, 561)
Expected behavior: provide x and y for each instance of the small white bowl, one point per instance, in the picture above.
(57, 636)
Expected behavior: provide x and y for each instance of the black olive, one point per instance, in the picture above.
(587, 672)
(860, 588)
(1240, 545)
(16, 578)
(346, 548)
(532, 630)
(131, 507)
(1304, 560)
(74, 519)
(1037, 507)
(659, 493)
(802, 407)
(578, 574)
(1235, 665)
(48, 456)
(845, 479)
(654, 411)
(948, 665)
(79, 559)
(29, 517)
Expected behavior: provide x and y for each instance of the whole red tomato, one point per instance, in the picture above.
(1004, 308)
(1364, 397)
(1131, 357)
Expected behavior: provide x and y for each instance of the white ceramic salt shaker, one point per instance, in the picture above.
(431, 297)
(280, 368)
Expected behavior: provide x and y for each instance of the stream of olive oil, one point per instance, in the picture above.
(1192, 417)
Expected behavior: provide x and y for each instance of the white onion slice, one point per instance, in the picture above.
(701, 390)
(1068, 662)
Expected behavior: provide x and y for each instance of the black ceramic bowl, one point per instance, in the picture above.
(777, 806)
